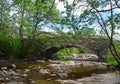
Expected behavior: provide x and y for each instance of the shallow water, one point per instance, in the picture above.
(108, 78)
(32, 65)
(37, 78)
(15, 83)
(36, 82)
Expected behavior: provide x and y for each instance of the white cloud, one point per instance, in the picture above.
(60, 5)
(48, 30)
(79, 8)
(66, 30)
(117, 10)
(70, 1)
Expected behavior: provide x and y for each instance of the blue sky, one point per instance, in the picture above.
(60, 6)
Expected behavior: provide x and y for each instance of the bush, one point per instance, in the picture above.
(11, 48)
(110, 59)
(5, 48)
(68, 51)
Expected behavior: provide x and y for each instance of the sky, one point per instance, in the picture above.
(60, 6)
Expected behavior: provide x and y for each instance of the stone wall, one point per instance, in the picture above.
(98, 46)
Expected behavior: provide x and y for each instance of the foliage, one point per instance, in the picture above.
(10, 48)
(63, 59)
(68, 51)
(117, 43)
(94, 13)
(63, 52)
(20, 22)
(5, 48)
(110, 59)
(84, 32)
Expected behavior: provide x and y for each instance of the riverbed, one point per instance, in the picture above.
(58, 72)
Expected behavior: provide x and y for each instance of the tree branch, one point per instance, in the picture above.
(50, 8)
(117, 3)
(106, 9)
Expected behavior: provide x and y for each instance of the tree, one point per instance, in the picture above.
(74, 22)
(24, 19)
(98, 12)
(4, 17)
(35, 13)
(108, 24)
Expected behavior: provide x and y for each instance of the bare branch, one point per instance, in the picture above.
(117, 3)
(107, 9)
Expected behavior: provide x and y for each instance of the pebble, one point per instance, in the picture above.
(4, 68)
(70, 82)
(31, 81)
(62, 74)
(117, 72)
(13, 65)
(15, 77)
(2, 83)
(1, 79)
(38, 60)
(7, 79)
(48, 79)
(38, 67)
(24, 75)
(27, 70)
(53, 75)
(44, 71)
(5, 72)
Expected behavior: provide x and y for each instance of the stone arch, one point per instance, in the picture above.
(50, 51)
(72, 50)
(98, 46)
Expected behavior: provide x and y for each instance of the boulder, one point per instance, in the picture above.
(70, 82)
(44, 71)
(4, 68)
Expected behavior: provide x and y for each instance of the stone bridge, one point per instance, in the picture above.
(98, 46)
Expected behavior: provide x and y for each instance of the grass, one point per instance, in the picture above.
(68, 51)
(110, 60)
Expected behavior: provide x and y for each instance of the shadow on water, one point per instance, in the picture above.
(32, 65)
(82, 72)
